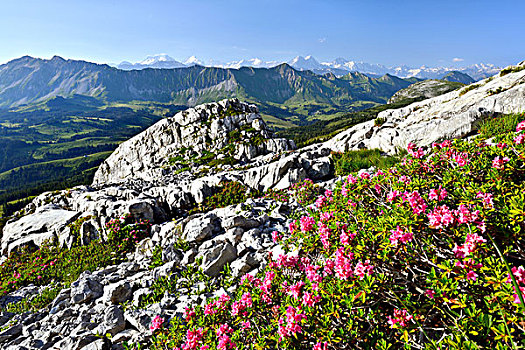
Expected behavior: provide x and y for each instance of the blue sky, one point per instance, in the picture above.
(388, 32)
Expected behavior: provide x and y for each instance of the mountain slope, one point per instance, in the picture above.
(458, 77)
(424, 89)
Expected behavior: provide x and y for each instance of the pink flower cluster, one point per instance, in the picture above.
(461, 159)
(470, 245)
(324, 234)
(242, 304)
(291, 324)
(519, 139)
(416, 202)
(419, 153)
(156, 323)
(469, 266)
(398, 235)
(392, 195)
(320, 346)
(343, 264)
(437, 194)
(440, 217)
(362, 269)
(499, 163)
(519, 275)
(310, 299)
(464, 215)
(224, 339)
(443, 216)
(486, 199)
(193, 338)
(345, 237)
(521, 126)
(399, 319)
(307, 223)
(295, 290)
(215, 306)
(276, 237)
(189, 313)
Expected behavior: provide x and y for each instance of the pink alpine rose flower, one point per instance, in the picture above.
(521, 126)
(156, 323)
(499, 163)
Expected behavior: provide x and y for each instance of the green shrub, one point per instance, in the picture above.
(351, 161)
(499, 125)
(379, 121)
(468, 88)
(178, 171)
(234, 136)
(156, 257)
(177, 159)
(35, 303)
(511, 69)
(228, 193)
(496, 91)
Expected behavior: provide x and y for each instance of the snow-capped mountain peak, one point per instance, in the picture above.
(305, 63)
(157, 58)
(191, 61)
(153, 61)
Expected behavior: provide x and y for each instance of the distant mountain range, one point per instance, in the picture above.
(157, 61)
(32, 80)
(338, 67)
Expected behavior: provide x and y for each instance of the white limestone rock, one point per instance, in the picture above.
(34, 229)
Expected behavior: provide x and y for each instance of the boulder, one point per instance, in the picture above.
(199, 229)
(117, 293)
(35, 229)
(215, 258)
(140, 319)
(85, 289)
(113, 322)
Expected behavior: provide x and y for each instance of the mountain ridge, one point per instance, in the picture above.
(28, 80)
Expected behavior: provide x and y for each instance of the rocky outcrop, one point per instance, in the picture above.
(139, 179)
(227, 128)
(452, 115)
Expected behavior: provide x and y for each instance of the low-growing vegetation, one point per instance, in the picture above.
(227, 193)
(36, 302)
(498, 125)
(511, 69)
(351, 161)
(426, 255)
(379, 121)
(468, 88)
(52, 264)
